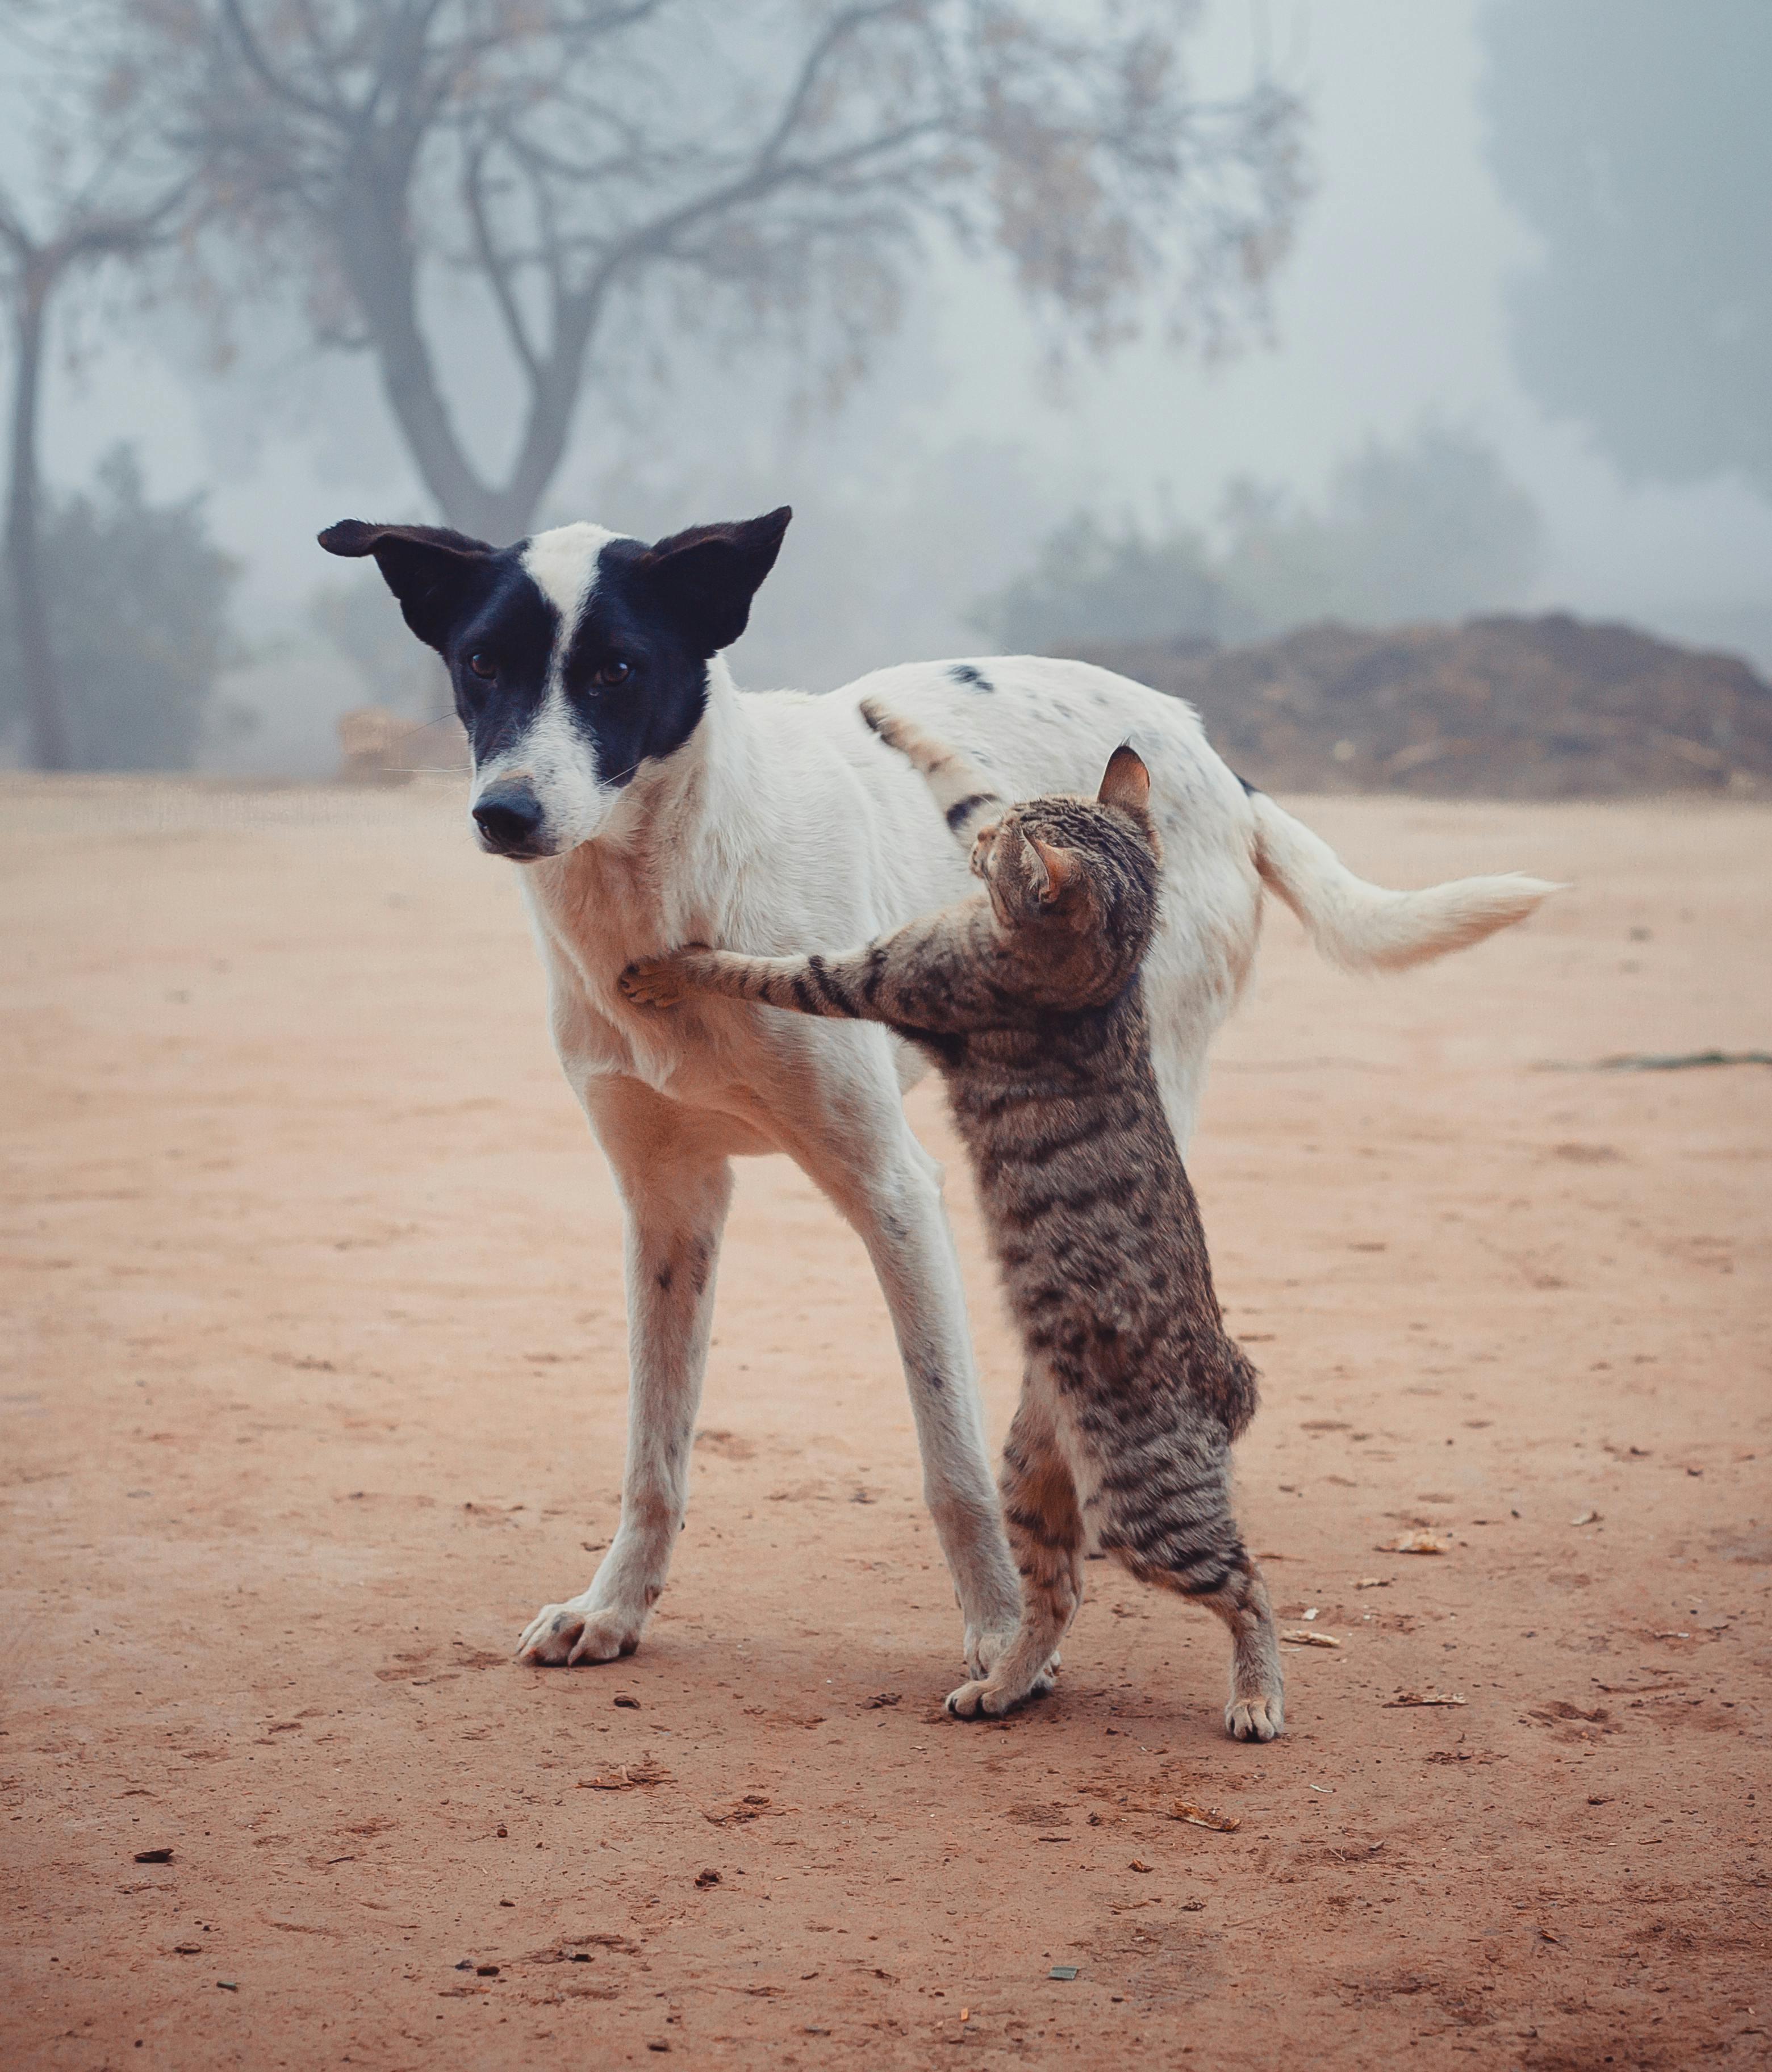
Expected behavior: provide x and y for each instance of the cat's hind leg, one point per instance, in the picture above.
(1255, 1710)
(1046, 1534)
(1188, 1542)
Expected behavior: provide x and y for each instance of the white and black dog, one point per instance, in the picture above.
(655, 805)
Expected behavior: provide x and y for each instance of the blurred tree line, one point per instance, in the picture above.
(1429, 528)
(581, 188)
(1633, 137)
(134, 596)
(508, 209)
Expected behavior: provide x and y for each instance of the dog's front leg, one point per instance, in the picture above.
(862, 1152)
(904, 1225)
(675, 1190)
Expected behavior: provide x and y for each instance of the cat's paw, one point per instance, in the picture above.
(652, 982)
(1255, 1719)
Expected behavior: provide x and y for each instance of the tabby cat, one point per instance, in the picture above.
(1027, 997)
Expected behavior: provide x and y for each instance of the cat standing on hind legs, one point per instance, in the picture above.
(1027, 998)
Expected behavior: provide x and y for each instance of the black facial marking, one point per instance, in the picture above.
(964, 673)
(477, 607)
(636, 678)
(659, 704)
(503, 620)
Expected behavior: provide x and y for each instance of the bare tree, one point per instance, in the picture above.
(99, 193)
(610, 175)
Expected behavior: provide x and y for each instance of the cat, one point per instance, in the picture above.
(1027, 998)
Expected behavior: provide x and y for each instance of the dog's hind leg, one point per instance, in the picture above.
(675, 1189)
(1046, 1535)
(861, 1152)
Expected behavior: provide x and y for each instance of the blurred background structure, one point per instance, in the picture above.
(1396, 382)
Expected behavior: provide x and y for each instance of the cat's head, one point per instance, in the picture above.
(1073, 881)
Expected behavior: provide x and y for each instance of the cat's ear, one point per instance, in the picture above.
(1053, 872)
(1126, 782)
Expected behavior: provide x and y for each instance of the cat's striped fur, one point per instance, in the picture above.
(1028, 999)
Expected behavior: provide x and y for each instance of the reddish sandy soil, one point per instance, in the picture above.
(313, 1392)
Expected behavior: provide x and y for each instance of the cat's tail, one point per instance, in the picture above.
(1364, 927)
(963, 793)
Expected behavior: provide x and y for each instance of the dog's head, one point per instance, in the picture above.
(576, 656)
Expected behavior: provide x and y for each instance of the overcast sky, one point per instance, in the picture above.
(1390, 305)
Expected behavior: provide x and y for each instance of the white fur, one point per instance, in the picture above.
(783, 826)
(558, 762)
(562, 565)
(1363, 927)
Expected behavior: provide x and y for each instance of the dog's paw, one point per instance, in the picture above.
(980, 1700)
(561, 1634)
(653, 982)
(1255, 1719)
(984, 1698)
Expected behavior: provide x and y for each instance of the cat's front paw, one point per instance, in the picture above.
(653, 982)
(891, 730)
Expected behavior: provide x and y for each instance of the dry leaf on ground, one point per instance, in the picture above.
(1373, 1583)
(1310, 1639)
(1206, 1816)
(630, 1775)
(1417, 1543)
(753, 1806)
(1423, 1698)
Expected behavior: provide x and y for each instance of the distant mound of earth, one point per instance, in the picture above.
(1498, 708)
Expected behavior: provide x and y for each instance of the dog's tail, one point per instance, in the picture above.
(1364, 927)
(963, 793)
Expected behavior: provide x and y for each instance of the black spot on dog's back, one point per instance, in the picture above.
(964, 673)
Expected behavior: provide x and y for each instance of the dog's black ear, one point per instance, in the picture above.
(424, 566)
(707, 576)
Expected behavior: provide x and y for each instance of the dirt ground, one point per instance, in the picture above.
(313, 1392)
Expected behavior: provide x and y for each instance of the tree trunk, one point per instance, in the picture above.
(44, 710)
(378, 262)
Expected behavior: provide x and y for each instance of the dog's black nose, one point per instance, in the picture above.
(509, 815)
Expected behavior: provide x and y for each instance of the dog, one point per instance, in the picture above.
(651, 804)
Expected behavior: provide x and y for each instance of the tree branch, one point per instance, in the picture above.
(262, 70)
(497, 270)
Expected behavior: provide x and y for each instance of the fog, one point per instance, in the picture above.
(935, 480)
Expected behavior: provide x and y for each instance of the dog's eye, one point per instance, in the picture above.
(613, 673)
(483, 667)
